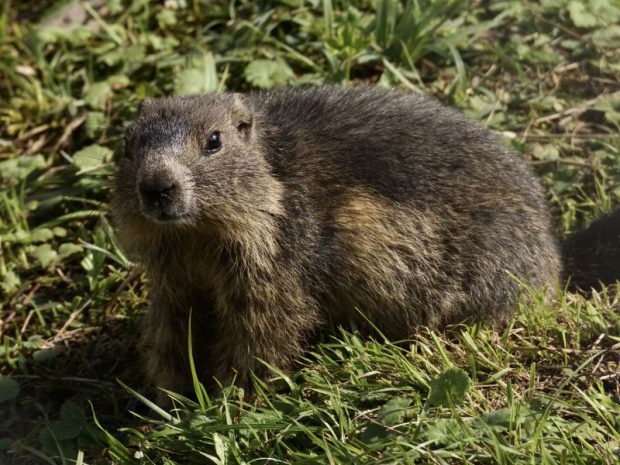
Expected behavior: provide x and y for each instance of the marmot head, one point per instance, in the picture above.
(189, 160)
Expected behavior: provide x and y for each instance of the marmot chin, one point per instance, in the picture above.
(275, 213)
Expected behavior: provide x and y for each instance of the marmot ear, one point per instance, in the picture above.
(128, 129)
(143, 105)
(242, 115)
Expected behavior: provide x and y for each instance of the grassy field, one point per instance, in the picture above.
(543, 390)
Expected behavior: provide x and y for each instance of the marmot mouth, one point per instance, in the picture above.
(163, 217)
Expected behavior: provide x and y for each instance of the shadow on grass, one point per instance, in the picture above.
(52, 418)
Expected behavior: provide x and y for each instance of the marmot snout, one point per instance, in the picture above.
(272, 214)
(164, 191)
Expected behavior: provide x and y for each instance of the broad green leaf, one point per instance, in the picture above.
(44, 355)
(118, 81)
(51, 35)
(499, 418)
(545, 152)
(44, 255)
(167, 17)
(70, 424)
(93, 155)
(374, 433)
(580, 16)
(268, 73)
(5, 443)
(9, 388)
(611, 106)
(115, 6)
(95, 122)
(10, 282)
(97, 95)
(449, 387)
(34, 342)
(221, 448)
(21, 167)
(608, 37)
(394, 411)
(199, 78)
(41, 235)
(80, 35)
(442, 431)
(69, 249)
(190, 81)
(120, 55)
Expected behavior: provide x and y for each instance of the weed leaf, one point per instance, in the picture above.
(394, 411)
(449, 388)
(268, 73)
(9, 388)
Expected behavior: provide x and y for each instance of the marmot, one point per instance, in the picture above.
(274, 213)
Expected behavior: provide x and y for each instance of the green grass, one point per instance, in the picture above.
(544, 389)
(531, 399)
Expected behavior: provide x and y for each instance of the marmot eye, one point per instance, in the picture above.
(214, 143)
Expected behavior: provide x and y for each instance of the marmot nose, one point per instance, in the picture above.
(156, 190)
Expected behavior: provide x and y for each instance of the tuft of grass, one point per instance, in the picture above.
(545, 388)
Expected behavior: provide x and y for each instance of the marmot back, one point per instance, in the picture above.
(274, 213)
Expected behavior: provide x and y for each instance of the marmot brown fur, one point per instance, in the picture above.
(274, 213)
